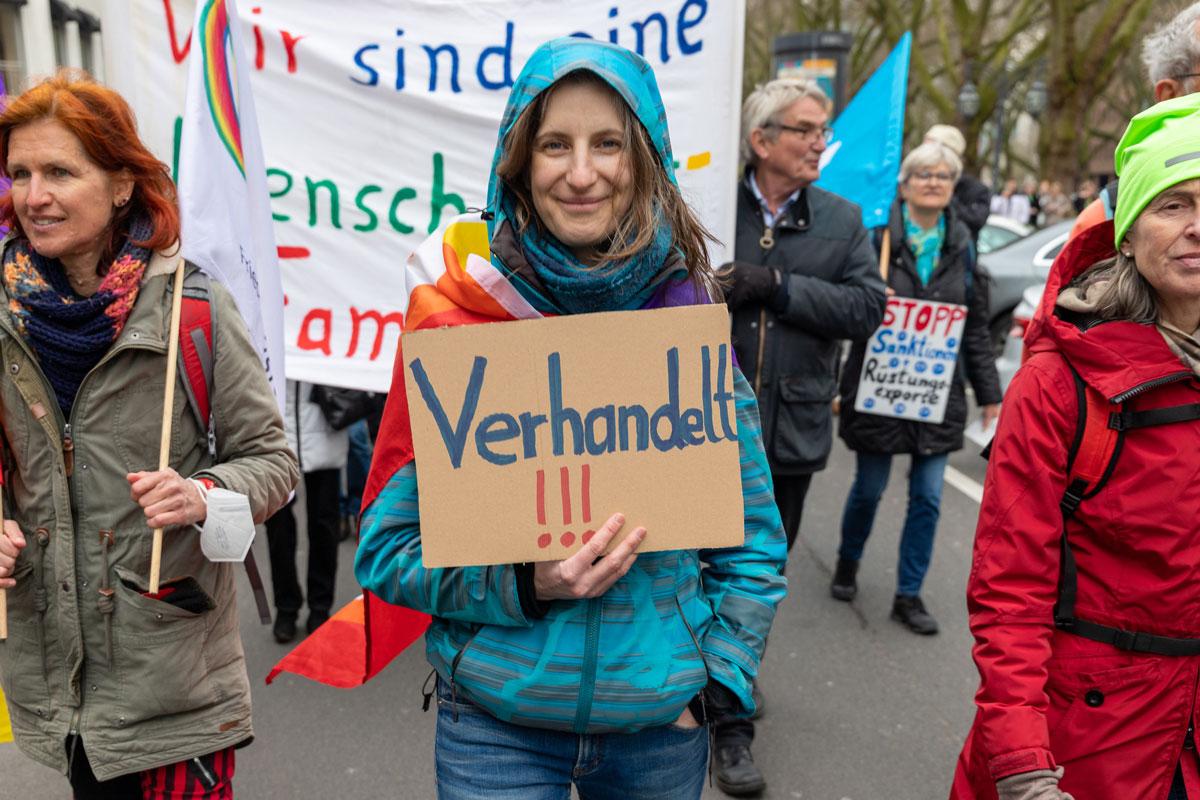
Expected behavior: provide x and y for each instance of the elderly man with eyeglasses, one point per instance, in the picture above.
(804, 278)
(1172, 58)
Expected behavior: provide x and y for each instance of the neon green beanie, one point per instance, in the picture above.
(1160, 148)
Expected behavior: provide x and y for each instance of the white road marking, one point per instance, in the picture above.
(964, 484)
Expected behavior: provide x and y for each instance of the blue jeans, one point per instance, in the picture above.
(920, 522)
(481, 756)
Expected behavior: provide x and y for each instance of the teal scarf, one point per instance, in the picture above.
(926, 244)
(572, 287)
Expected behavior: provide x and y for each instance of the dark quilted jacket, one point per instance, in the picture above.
(869, 433)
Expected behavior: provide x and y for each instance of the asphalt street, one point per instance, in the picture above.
(858, 708)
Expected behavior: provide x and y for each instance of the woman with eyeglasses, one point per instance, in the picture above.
(930, 258)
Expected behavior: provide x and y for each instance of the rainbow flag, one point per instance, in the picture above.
(451, 281)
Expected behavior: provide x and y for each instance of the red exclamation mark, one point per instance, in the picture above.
(564, 482)
(545, 539)
(586, 502)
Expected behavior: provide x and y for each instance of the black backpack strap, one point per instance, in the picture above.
(1064, 609)
(1131, 420)
(1134, 641)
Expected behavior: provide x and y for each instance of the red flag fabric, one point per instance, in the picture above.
(343, 654)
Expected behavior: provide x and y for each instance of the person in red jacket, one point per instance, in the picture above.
(1094, 696)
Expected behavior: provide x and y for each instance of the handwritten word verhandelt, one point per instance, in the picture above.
(596, 431)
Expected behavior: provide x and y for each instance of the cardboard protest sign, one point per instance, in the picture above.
(909, 363)
(528, 435)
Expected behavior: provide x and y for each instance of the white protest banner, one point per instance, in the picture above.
(909, 363)
(378, 121)
(556, 424)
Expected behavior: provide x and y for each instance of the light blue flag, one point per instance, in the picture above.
(862, 163)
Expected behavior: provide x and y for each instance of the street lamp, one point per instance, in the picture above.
(1037, 98)
(968, 100)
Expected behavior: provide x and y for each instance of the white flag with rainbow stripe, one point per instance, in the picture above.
(223, 198)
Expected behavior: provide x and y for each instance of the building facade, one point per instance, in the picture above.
(37, 37)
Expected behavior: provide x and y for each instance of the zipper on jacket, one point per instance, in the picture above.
(68, 449)
(1188, 741)
(454, 673)
(712, 729)
(762, 346)
(587, 680)
(766, 243)
(1154, 384)
(695, 641)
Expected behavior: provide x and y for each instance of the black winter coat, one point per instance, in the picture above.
(972, 203)
(834, 292)
(870, 433)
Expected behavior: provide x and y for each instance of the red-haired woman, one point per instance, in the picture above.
(132, 695)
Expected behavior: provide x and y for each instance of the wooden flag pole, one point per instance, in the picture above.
(885, 253)
(164, 447)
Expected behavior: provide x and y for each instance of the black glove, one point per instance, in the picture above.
(753, 284)
(719, 704)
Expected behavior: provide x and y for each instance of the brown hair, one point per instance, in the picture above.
(104, 125)
(655, 198)
(1126, 295)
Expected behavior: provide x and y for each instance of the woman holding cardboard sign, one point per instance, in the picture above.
(913, 368)
(124, 690)
(615, 656)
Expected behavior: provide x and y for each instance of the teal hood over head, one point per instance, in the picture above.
(626, 72)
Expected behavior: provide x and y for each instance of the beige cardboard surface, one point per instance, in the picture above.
(497, 488)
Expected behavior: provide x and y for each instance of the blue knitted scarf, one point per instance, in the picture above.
(69, 333)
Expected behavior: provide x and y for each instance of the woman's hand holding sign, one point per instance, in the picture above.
(589, 573)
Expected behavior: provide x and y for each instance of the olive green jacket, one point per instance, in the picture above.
(143, 682)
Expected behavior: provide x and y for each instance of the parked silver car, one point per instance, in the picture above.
(1015, 267)
(1013, 353)
(999, 231)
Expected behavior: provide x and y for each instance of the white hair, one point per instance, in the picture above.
(928, 156)
(764, 105)
(1174, 49)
